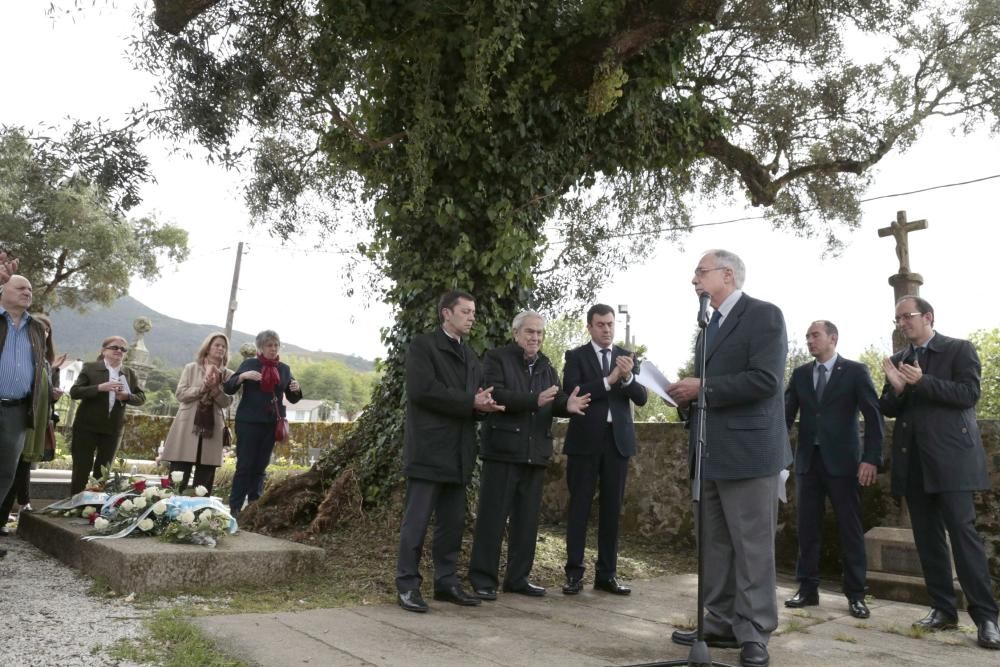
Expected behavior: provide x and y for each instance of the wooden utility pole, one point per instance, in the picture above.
(232, 293)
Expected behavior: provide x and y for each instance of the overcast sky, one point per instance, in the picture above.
(78, 69)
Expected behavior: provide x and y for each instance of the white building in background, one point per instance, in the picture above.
(308, 410)
(68, 374)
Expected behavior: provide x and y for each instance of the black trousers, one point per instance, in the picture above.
(91, 451)
(447, 503)
(811, 491)
(931, 514)
(204, 474)
(605, 471)
(511, 490)
(19, 490)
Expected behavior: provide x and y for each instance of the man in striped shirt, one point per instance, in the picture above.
(22, 361)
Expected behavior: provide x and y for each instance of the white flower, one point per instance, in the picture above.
(200, 490)
(159, 508)
(101, 523)
(206, 516)
(150, 491)
(87, 511)
(186, 516)
(146, 525)
(176, 476)
(127, 505)
(139, 503)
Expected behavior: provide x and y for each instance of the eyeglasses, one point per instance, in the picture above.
(116, 348)
(905, 317)
(701, 272)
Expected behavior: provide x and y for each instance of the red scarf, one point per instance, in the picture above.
(269, 377)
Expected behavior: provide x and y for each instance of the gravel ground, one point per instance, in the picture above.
(47, 618)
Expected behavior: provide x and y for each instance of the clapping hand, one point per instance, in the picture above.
(893, 375)
(8, 267)
(484, 401)
(576, 404)
(547, 396)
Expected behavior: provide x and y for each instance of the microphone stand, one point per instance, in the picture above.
(699, 655)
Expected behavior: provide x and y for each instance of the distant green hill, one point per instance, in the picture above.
(172, 341)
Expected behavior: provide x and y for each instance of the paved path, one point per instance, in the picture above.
(589, 629)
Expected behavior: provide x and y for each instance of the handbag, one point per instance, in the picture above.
(281, 425)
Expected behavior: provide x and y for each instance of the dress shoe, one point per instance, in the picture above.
(803, 598)
(754, 654)
(937, 620)
(686, 638)
(858, 609)
(4, 531)
(456, 595)
(488, 593)
(526, 588)
(572, 586)
(989, 635)
(612, 585)
(412, 601)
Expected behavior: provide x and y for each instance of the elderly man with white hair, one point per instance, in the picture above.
(516, 446)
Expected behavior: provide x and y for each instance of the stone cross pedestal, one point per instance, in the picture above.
(138, 356)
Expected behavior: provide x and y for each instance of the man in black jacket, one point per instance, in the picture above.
(444, 396)
(830, 462)
(516, 446)
(932, 387)
(598, 447)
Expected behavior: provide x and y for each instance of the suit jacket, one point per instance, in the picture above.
(744, 383)
(939, 415)
(92, 412)
(523, 432)
(833, 421)
(586, 432)
(257, 405)
(439, 443)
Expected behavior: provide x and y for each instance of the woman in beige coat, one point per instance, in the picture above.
(196, 436)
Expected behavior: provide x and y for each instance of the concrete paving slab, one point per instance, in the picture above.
(588, 629)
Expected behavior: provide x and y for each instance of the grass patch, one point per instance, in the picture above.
(682, 622)
(792, 626)
(801, 613)
(907, 631)
(840, 637)
(173, 641)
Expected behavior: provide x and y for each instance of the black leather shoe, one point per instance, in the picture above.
(612, 585)
(858, 609)
(803, 598)
(456, 595)
(754, 654)
(488, 593)
(412, 601)
(937, 620)
(527, 588)
(686, 638)
(572, 586)
(989, 635)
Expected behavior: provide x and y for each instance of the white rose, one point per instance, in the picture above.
(150, 491)
(127, 505)
(206, 516)
(146, 525)
(159, 508)
(139, 503)
(186, 516)
(87, 511)
(101, 523)
(176, 477)
(200, 490)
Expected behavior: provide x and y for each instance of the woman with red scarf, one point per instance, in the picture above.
(260, 412)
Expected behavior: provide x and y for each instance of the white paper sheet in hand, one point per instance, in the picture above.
(649, 376)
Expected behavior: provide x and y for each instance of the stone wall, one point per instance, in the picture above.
(657, 496)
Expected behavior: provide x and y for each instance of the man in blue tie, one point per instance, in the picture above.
(747, 447)
(938, 461)
(598, 447)
(830, 462)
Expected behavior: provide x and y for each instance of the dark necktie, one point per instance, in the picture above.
(606, 361)
(921, 358)
(713, 328)
(820, 381)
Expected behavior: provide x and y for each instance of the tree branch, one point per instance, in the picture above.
(173, 15)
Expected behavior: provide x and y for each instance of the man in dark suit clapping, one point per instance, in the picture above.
(598, 447)
(829, 460)
(747, 447)
(444, 396)
(932, 387)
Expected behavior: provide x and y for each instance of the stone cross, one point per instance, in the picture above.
(899, 230)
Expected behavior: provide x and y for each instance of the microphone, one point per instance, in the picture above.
(703, 300)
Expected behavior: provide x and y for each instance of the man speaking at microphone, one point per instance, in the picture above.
(746, 448)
